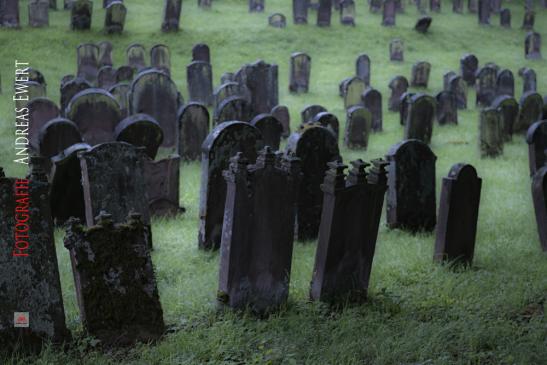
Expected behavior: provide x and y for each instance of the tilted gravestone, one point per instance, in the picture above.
(277, 20)
(96, 113)
(9, 14)
(224, 91)
(32, 301)
(82, 11)
(324, 13)
(532, 46)
(508, 110)
(486, 86)
(57, 135)
(529, 80)
(40, 111)
(505, 83)
(536, 137)
(358, 126)
(309, 112)
(70, 89)
(114, 20)
(420, 74)
(469, 65)
(300, 73)
(281, 113)
(194, 128)
(38, 13)
(171, 15)
(484, 12)
(446, 109)
(140, 130)
(105, 54)
(490, 133)
(396, 50)
(120, 92)
(300, 11)
(353, 89)
(531, 110)
(87, 62)
(201, 52)
(329, 121)
(33, 90)
(419, 121)
(113, 271)
(458, 215)
(270, 128)
(160, 58)
(315, 146)
(163, 185)
(220, 145)
(362, 68)
(505, 18)
(528, 20)
(398, 86)
(258, 232)
(347, 12)
(256, 6)
(106, 77)
(352, 208)
(232, 108)
(372, 100)
(411, 199)
(539, 196)
(199, 76)
(136, 56)
(259, 80)
(423, 24)
(389, 13)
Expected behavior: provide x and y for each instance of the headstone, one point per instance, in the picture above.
(40, 111)
(532, 46)
(9, 14)
(329, 121)
(457, 85)
(486, 85)
(309, 112)
(163, 186)
(411, 199)
(256, 6)
(447, 108)
(315, 146)
(352, 208)
(354, 88)
(347, 12)
(258, 232)
(372, 100)
(201, 52)
(281, 113)
(36, 76)
(88, 62)
(136, 56)
(398, 86)
(277, 20)
(531, 110)
(82, 11)
(469, 65)
(536, 137)
(140, 130)
(539, 196)
(362, 68)
(220, 145)
(490, 133)
(106, 77)
(194, 128)
(435, 6)
(224, 91)
(508, 110)
(505, 18)
(113, 272)
(171, 15)
(484, 12)
(420, 74)
(358, 126)
(270, 128)
(227, 77)
(114, 20)
(96, 113)
(529, 82)
(505, 83)
(104, 57)
(300, 73)
(160, 58)
(419, 122)
(38, 13)
(423, 24)
(57, 135)
(396, 50)
(70, 89)
(233, 108)
(528, 20)
(404, 106)
(389, 13)
(458, 215)
(119, 92)
(324, 13)
(300, 11)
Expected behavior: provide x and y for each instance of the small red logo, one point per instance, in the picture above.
(20, 319)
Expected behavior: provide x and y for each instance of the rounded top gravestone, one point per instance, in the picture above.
(140, 130)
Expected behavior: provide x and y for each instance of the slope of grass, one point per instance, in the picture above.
(418, 312)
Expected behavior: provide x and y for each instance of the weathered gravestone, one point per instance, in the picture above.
(375, 6)
(160, 58)
(104, 57)
(420, 74)
(136, 55)
(281, 113)
(457, 6)
(65, 79)
(82, 11)
(389, 13)
(9, 14)
(36, 76)
(154, 93)
(270, 128)
(486, 86)
(140, 130)
(315, 146)
(194, 127)
(163, 185)
(347, 12)
(358, 126)
(396, 50)
(490, 133)
(224, 91)
(423, 24)
(447, 108)
(32, 302)
(532, 46)
(277, 20)
(372, 100)
(505, 18)
(539, 195)
(309, 112)
(96, 113)
(258, 232)
(329, 121)
(398, 86)
(472, 6)
(324, 13)
(87, 62)
(40, 111)
(529, 80)
(411, 200)
(404, 106)
(528, 20)
(33, 90)
(114, 20)
(468, 68)
(353, 89)
(220, 145)
(505, 83)
(199, 76)
(352, 208)
(300, 11)
(362, 68)
(508, 110)
(256, 6)
(232, 108)
(435, 6)
(106, 77)
(300, 73)
(259, 81)
(201, 52)
(57, 135)
(70, 89)
(458, 215)
(531, 110)
(38, 13)
(457, 86)
(114, 280)
(171, 15)
(484, 12)
(536, 137)
(419, 121)
(120, 92)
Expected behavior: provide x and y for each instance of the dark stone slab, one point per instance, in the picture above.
(405, 106)
(233, 108)
(324, 13)
(329, 121)
(528, 20)
(347, 12)
(358, 126)
(201, 52)
(469, 65)
(491, 133)
(420, 74)
(224, 91)
(106, 78)
(505, 83)
(484, 12)
(396, 50)
(57, 135)
(457, 86)
(419, 121)
(194, 128)
(472, 6)
(171, 15)
(160, 58)
(300, 73)
(508, 110)
(372, 100)
(38, 13)
(9, 14)
(136, 56)
(423, 24)
(260, 82)
(435, 6)
(531, 110)
(199, 78)
(398, 86)
(114, 20)
(281, 113)
(389, 13)
(486, 86)
(256, 6)
(505, 18)
(539, 196)
(120, 92)
(163, 185)
(140, 130)
(124, 74)
(300, 11)
(81, 13)
(40, 111)
(529, 80)
(447, 108)
(532, 46)
(309, 112)
(375, 6)
(362, 68)
(270, 128)
(536, 137)
(457, 6)
(88, 61)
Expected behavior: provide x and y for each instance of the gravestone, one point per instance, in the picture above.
(404, 106)
(486, 86)
(160, 58)
(70, 89)
(106, 77)
(66, 78)
(347, 12)
(87, 62)
(539, 196)
(81, 13)
(531, 110)
(9, 14)
(163, 185)
(260, 80)
(104, 57)
(420, 74)
(389, 13)
(508, 110)
(315, 146)
(140, 130)
(171, 15)
(532, 46)
(230, 109)
(281, 113)
(435, 6)
(362, 68)
(457, 86)
(57, 135)
(96, 113)
(419, 122)
(372, 100)
(309, 112)
(300, 11)
(472, 6)
(484, 12)
(194, 128)
(469, 65)
(33, 90)
(324, 13)
(396, 50)
(201, 52)
(38, 13)
(113, 272)
(447, 108)
(300, 73)
(358, 126)
(277, 20)
(258, 232)
(505, 83)
(458, 215)
(40, 111)
(119, 92)
(256, 6)
(536, 137)
(32, 302)
(457, 6)
(114, 20)
(329, 121)
(528, 20)
(270, 128)
(505, 18)
(411, 199)
(353, 90)
(224, 91)
(375, 6)
(529, 82)
(490, 133)
(136, 55)
(423, 24)
(36, 76)
(352, 208)
(398, 86)
(220, 145)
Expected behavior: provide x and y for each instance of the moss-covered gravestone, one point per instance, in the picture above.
(57, 135)
(396, 50)
(160, 58)
(532, 46)
(9, 14)
(362, 68)
(419, 121)
(300, 73)
(347, 12)
(484, 12)
(69, 89)
(270, 128)
(106, 77)
(398, 86)
(300, 11)
(201, 52)
(114, 20)
(171, 15)
(490, 133)
(136, 56)
(310, 111)
(38, 13)
(358, 126)
(194, 128)
(260, 81)
(389, 13)
(40, 111)
(281, 113)
(457, 85)
(87, 61)
(508, 110)
(162, 186)
(329, 121)
(420, 74)
(140, 130)
(199, 78)
(324, 12)
(353, 89)
(537, 145)
(529, 79)
(505, 83)
(487, 77)
(446, 109)
(372, 100)
(531, 110)
(232, 108)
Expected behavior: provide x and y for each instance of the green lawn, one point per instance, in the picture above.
(418, 312)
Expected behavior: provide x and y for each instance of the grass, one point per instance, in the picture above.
(418, 312)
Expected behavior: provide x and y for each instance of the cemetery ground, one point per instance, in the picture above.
(418, 312)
